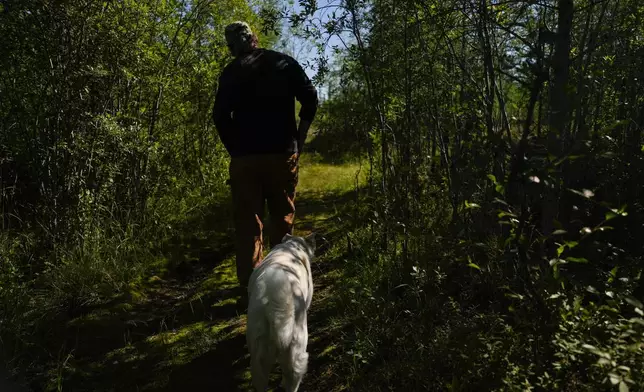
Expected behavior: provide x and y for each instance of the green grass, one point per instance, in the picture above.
(180, 331)
(324, 178)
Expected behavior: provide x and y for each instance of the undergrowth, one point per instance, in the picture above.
(456, 326)
(107, 261)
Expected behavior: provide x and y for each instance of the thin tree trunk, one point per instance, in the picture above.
(559, 108)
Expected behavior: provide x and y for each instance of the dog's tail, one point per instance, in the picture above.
(300, 362)
(282, 323)
(288, 329)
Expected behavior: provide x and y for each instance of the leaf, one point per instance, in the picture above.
(634, 301)
(555, 272)
(557, 224)
(556, 261)
(560, 250)
(619, 211)
(610, 215)
(503, 213)
(577, 259)
(586, 193)
(559, 232)
(469, 205)
(472, 265)
(603, 361)
(614, 378)
(596, 351)
(608, 155)
(636, 320)
(613, 274)
(498, 187)
(623, 387)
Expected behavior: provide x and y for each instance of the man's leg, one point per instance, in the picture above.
(248, 209)
(280, 186)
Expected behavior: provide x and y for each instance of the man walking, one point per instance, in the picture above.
(254, 113)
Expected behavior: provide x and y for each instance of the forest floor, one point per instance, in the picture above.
(178, 329)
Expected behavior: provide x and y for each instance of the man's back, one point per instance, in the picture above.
(255, 116)
(255, 108)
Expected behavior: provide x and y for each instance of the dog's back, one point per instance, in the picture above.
(280, 292)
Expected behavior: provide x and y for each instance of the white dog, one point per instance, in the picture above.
(279, 294)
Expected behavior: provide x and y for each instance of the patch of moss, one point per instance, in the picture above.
(224, 302)
(222, 277)
(328, 350)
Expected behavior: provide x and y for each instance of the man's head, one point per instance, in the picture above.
(240, 38)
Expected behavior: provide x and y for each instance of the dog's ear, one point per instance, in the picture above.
(310, 240)
(286, 237)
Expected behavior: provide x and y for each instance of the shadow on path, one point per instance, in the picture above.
(180, 330)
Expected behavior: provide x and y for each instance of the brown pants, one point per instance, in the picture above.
(254, 180)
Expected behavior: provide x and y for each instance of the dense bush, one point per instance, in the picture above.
(497, 245)
(500, 248)
(107, 152)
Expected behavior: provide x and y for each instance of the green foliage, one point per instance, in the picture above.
(599, 338)
(107, 151)
(502, 241)
(340, 129)
(497, 245)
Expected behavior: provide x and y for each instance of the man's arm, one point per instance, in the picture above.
(222, 110)
(306, 93)
(302, 131)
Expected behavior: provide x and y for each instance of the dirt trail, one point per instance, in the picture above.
(181, 332)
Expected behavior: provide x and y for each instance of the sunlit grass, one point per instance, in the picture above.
(157, 298)
(318, 177)
(328, 350)
(222, 277)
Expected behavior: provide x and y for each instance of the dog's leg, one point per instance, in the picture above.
(258, 375)
(262, 358)
(287, 373)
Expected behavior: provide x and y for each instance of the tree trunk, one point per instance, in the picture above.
(559, 109)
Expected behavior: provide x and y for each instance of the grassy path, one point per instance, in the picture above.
(181, 332)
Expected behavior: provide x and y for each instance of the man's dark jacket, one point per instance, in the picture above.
(254, 109)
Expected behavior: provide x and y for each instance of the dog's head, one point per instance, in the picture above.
(307, 244)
